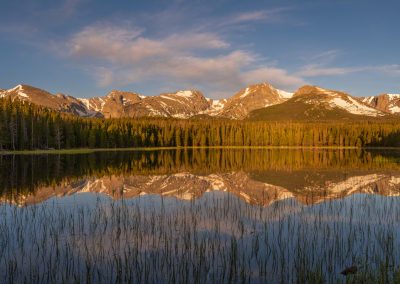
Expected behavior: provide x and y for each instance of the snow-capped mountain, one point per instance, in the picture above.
(113, 104)
(181, 104)
(187, 103)
(260, 101)
(316, 103)
(252, 98)
(389, 103)
(314, 95)
(58, 102)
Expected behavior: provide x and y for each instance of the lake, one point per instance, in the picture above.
(201, 215)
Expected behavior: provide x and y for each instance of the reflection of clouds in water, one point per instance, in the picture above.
(167, 233)
(256, 215)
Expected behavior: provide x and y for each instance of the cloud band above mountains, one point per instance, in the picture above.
(123, 55)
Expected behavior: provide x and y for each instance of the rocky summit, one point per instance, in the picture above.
(259, 101)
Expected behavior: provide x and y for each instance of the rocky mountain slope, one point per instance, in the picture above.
(187, 103)
(260, 101)
(58, 102)
(315, 103)
(389, 103)
(181, 104)
(251, 98)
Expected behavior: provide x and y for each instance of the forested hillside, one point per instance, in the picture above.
(25, 126)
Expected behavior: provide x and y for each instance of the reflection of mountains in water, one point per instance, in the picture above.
(252, 188)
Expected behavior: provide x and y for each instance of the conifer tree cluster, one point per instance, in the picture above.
(25, 126)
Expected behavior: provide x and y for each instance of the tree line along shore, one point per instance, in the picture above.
(29, 127)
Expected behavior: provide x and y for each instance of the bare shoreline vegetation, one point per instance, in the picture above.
(29, 127)
(216, 239)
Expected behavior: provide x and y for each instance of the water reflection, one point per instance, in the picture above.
(258, 177)
(260, 216)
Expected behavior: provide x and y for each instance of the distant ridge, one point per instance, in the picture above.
(259, 101)
(316, 103)
(386, 102)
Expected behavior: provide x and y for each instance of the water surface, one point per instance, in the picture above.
(217, 216)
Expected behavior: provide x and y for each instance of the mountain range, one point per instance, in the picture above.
(259, 101)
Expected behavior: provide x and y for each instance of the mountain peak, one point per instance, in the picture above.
(18, 87)
(389, 103)
(315, 90)
(188, 103)
(253, 97)
(331, 99)
(58, 102)
(114, 93)
(25, 87)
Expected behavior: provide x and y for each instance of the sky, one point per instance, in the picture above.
(87, 48)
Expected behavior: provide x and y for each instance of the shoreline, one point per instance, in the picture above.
(93, 150)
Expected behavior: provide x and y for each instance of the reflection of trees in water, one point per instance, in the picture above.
(293, 170)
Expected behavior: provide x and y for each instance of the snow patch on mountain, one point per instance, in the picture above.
(22, 94)
(91, 105)
(393, 96)
(19, 89)
(246, 93)
(167, 97)
(284, 94)
(353, 106)
(185, 94)
(181, 115)
(16, 88)
(218, 104)
(335, 99)
(85, 102)
(368, 100)
(394, 109)
(215, 107)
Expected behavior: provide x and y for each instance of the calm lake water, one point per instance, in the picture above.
(196, 216)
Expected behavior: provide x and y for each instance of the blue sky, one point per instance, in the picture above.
(86, 48)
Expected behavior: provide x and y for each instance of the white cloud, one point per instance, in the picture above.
(195, 41)
(105, 76)
(126, 45)
(319, 70)
(123, 55)
(252, 16)
(320, 65)
(271, 15)
(392, 70)
(324, 57)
